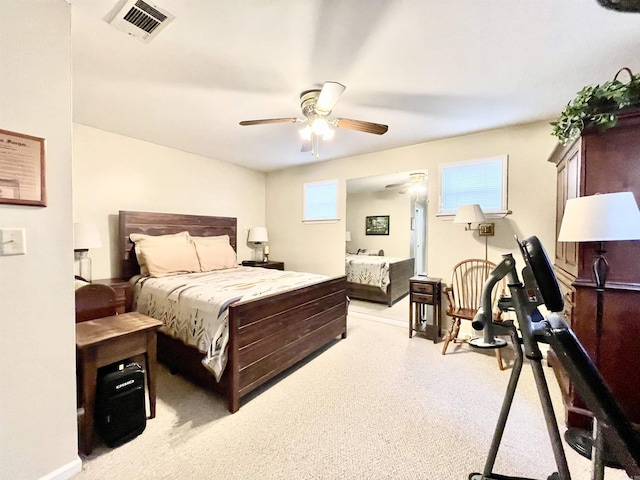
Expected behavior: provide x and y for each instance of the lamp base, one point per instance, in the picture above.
(84, 264)
(258, 253)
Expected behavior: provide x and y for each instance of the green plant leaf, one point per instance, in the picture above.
(596, 105)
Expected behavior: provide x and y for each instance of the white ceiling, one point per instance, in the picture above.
(429, 69)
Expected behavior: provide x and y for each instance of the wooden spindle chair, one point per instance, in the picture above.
(465, 297)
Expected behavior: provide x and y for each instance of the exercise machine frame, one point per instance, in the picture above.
(612, 430)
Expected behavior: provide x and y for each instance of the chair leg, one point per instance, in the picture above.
(452, 333)
(499, 358)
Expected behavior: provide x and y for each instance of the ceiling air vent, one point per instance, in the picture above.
(140, 19)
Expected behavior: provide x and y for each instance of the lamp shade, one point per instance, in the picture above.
(258, 235)
(469, 214)
(347, 236)
(85, 236)
(600, 218)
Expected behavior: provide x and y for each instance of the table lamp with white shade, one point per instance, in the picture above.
(258, 236)
(600, 218)
(85, 236)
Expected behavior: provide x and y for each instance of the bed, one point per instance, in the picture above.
(378, 278)
(266, 335)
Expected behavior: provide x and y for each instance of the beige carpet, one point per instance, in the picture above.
(376, 405)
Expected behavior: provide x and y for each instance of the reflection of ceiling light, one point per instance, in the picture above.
(418, 189)
(417, 178)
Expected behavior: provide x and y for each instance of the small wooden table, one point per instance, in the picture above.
(105, 341)
(268, 264)
(424, 292)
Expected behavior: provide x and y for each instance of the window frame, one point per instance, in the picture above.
(308, 202)
(504, 176)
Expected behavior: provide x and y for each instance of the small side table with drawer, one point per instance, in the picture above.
(424, 307)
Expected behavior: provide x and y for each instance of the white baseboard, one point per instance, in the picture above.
(66, 471)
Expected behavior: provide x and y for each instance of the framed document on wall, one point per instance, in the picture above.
(22, 175)
(377, 225)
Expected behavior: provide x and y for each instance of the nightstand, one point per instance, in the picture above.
(270, 264)
(425, 294)
(120, 286)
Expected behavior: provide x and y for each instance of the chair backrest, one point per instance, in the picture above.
(467, 280)
(95, 301)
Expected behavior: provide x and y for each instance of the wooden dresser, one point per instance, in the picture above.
(601, 162)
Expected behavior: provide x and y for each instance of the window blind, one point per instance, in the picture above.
(321, 201)
(476, 181)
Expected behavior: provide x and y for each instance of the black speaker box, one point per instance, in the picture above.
(120, 406)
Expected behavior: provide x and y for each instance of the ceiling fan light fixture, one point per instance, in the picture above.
(320, 126)
(306, 132)
(328, 135)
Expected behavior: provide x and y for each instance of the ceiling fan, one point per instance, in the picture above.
(316, 106)
(417, 181)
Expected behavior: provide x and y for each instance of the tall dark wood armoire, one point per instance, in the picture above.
(601, 162)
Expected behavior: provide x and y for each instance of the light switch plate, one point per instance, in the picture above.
(13, 241)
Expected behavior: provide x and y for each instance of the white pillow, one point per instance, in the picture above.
(161, 255)
(215, 253)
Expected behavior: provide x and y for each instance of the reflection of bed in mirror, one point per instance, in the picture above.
(378, 278)
(267, 333)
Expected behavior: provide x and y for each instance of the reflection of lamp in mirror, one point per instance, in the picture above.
(258, 236)
(473, 214)
(347, 238)
(85, 236)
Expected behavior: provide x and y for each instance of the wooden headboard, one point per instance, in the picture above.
(151, 223)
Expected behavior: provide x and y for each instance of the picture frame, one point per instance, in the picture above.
(377, 225)
(22, 169)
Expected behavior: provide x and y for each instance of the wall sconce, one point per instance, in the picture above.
(258, 236)
(85, 236)
(473, 214)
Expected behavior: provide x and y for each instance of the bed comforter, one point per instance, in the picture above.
(369, 270)
(194, 307)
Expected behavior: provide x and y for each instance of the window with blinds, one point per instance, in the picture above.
(321, 201)
(482, 181)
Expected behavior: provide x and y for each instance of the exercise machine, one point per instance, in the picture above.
(613, 437)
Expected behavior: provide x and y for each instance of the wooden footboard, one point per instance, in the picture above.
(271, 334)
(399, 274)
(266, 336)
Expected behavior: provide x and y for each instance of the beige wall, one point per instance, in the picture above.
(397, 206)
(112, 172)
(319, 247)
(37, 341)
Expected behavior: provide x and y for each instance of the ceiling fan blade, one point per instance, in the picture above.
(395, 185)
(360, 126)
(269, 120)
(329, 95)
